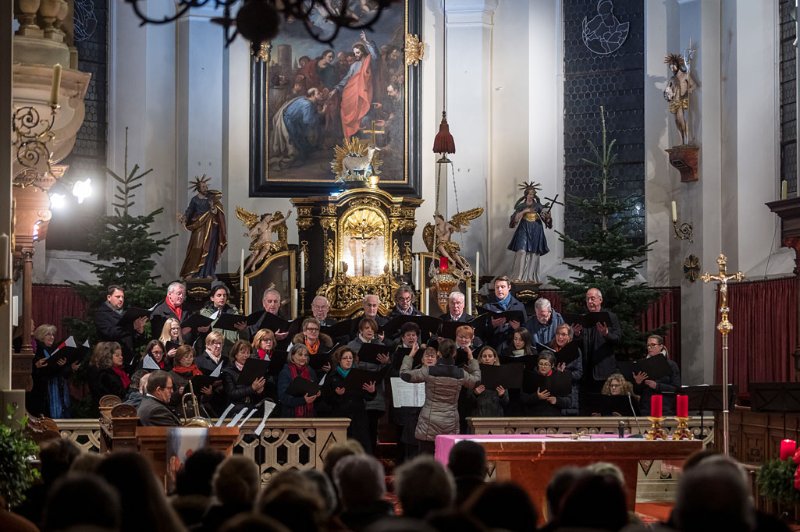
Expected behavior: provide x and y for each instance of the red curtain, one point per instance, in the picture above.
(53, 303)
(764, 317)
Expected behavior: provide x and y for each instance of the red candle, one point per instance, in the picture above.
(787, 449)
(443, 264)
(656, 404)
(682, 405)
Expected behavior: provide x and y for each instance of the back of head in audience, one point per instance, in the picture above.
(198, 470)
(324, 488)
(595, 501)
(423, 486)
(144, 505)
(502, 505)
(56, 457)
(86, 463)
(252, 523)
(714, 495)
(294, 508)
(560, 483)
(467, 459)
(236, 481)
(338, 451)
(360, 480)
(82, 501)
(607, 468)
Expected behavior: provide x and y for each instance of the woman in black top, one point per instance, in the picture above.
(344, 402)
(241, 395)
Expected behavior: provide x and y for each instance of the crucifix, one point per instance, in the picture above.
(724, 327)
(374, 132)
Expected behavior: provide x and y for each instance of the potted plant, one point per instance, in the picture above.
(17, 452)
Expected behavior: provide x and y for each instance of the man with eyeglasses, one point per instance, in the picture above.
(154, 409)
(404, 303)
(320, 306)
(544, 324)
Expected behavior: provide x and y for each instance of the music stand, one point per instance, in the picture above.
(780, 397)
(708, 397)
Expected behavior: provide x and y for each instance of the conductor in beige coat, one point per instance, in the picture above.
(443, 382)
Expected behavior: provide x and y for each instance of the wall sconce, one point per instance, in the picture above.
(684, 230)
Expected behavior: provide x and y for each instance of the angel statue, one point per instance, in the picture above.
(679, 86)
(260, 230)
(444, 246)
(205, 219)
(529, 243)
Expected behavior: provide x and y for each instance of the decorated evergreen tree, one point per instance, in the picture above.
(609, 258)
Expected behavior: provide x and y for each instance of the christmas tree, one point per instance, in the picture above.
(125, 246)
(609, 258)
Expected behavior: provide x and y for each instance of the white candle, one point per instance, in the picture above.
(477, 271)
(401, 267)
(294, 303)
(303, 270)
(5, 252)
(428, 301)
(469, 299)
(54, 89)
(241, 272)
(784, 189)
(674, 212)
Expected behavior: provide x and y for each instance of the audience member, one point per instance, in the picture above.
(144, 505)
(193, 487)
(560, 483)
(361, 484)
(423, 485)
(596, 502)
(467, 463)
(81, 501)
(236, 483)
(106, 373)
(56, 457)
(292, 507)
(337, 451)
(502, 506)
(252, 523)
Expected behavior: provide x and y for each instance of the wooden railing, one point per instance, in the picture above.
(284, 443)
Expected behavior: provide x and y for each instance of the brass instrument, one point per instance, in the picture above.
(196, 420)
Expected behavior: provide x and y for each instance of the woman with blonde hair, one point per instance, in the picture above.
(171, 337)
(264, 343)
(50, 394)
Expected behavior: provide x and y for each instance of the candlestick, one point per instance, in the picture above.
(784, 189)
(787, 449)
(656, 405)
(54, 89)
(674, 212)
(682, 405)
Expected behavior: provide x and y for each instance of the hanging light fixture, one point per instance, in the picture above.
(259, 20)
(444, 143)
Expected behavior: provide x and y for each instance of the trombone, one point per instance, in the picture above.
(197, 420)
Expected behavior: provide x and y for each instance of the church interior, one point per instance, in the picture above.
(446, 145)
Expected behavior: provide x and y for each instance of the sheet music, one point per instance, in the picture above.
(216, 371)
(269, 406)
(407, 393)
(237, 417)
(247, 417)
(221, 419)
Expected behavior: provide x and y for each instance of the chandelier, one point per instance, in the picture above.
(259, 20)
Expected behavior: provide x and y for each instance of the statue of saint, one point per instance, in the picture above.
(679, 86)
(529, 243)
(205, 218)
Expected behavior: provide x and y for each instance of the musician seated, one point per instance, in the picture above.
(154, 410)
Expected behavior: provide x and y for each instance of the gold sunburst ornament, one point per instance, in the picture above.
(356, 160)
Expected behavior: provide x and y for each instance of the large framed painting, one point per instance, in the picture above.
(307, 98)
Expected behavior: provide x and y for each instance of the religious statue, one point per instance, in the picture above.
(679, 86)
(438, 238)
(529, 218)
(205, 218)
(259, 230)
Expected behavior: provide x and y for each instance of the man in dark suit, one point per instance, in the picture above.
(107, 321)
(320, 306)
(154, 410)
(598, 345)
(172, 307)
(455, 308)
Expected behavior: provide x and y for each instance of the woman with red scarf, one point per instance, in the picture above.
(155, 350)
(297, 367)
(314, 341)
(264, 344)
(107, 376)
(182, 372)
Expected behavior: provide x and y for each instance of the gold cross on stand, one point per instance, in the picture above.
(724, 327)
